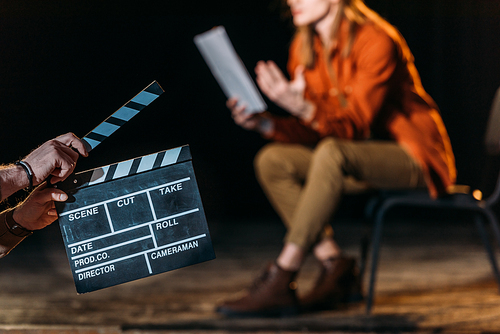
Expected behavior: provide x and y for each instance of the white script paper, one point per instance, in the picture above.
(228, 69)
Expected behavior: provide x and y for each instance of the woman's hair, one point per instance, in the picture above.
(356, 13)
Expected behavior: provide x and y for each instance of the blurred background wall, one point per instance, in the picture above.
(66, 65)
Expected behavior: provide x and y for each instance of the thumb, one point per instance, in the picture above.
(58, 195)
(299, 72)
(50, 194)
(47, 195)
(299, 81)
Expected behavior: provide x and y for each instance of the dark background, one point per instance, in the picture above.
(66, 65)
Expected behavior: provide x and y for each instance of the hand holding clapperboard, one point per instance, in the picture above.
(135, 218)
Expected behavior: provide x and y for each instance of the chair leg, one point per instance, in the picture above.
(377, 234)
(494, 224)
(372, 206)
(487, 245)
(365, 244)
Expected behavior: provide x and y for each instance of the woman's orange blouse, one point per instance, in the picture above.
(385, 99)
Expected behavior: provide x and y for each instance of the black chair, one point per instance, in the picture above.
(481, 210)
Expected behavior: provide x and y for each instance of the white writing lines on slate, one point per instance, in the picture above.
(141, 253)
(111, 247)
(134, 227)
(124, 196)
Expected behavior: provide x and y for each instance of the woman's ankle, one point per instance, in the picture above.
(291, 257)
(326, 249)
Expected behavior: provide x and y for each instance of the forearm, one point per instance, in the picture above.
(8, 240)
(12, 179)
(307, 111)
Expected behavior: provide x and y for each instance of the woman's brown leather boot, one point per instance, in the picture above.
(335, 285)
(271, 295)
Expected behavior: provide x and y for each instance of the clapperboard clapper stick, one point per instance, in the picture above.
(122, 115)
(132, 219)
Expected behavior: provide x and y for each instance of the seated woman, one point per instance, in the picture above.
(357, 108)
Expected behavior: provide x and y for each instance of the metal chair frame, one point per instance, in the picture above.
(481, 210)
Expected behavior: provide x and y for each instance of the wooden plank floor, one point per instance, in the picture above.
(433, 277)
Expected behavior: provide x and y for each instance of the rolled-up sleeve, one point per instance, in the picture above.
(7, 239)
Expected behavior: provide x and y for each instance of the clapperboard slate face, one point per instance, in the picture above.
(133, 219)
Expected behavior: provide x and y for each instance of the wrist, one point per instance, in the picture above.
(266, 126)
(306, 112)
(14, 227)
(29, 172)
(12, 179)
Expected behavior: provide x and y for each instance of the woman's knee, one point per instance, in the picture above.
(328, 152)
(282, 160)
(269, 159)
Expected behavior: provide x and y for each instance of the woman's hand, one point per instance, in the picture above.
(289, 95)
(38, 210)
(255, 122)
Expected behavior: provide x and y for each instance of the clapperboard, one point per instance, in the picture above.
(132, 219)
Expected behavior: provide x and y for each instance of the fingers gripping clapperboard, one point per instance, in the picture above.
(135, 218)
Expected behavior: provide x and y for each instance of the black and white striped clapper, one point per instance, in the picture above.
(133, 219)
(122, 115)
